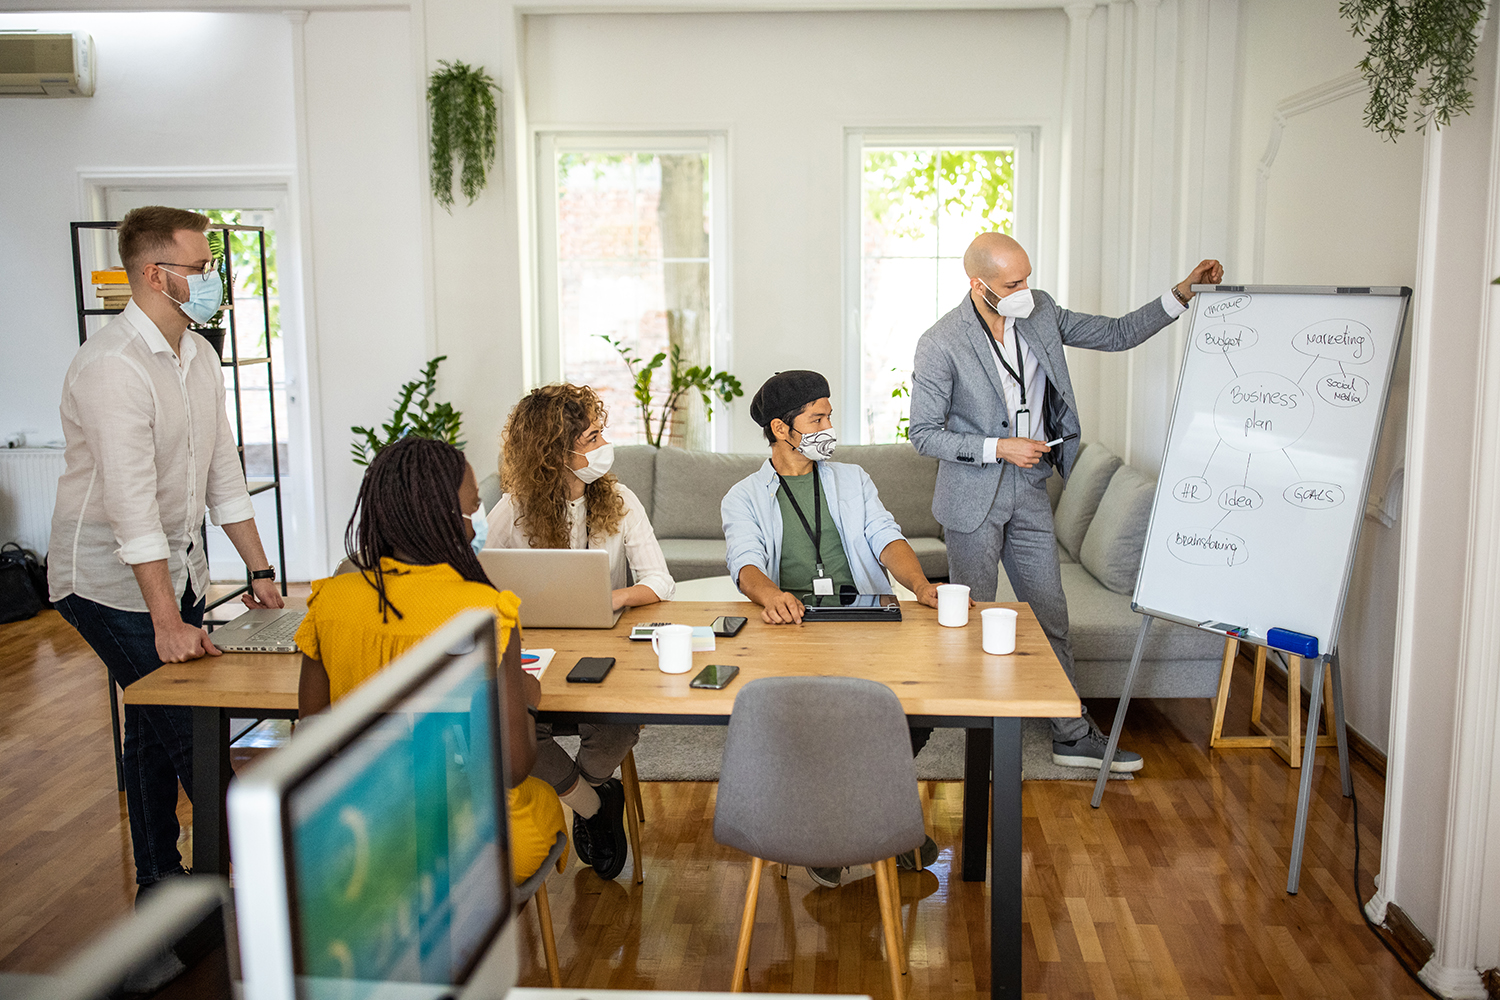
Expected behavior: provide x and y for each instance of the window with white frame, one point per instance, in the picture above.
(631, 248)
(915, 204)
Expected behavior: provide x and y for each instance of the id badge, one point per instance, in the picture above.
(823, 586)
(1023, 423)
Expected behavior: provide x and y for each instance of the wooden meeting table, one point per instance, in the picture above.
(941, 675)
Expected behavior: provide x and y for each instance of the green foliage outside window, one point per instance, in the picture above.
(244, 262)
(906, 189)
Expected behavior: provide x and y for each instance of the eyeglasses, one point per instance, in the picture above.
(206, 269)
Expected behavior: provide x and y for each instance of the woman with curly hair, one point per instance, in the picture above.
(559, 494)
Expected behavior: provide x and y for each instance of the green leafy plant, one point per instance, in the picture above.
(464, 127)
(903, 424)
(244, 256)
(414, 415)
(216, 249)
(1432, 41)
(680, 380)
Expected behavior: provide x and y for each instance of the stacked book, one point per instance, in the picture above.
(112, 288)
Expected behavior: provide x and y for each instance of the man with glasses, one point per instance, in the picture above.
(149, 448)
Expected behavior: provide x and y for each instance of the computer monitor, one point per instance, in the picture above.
(372, 853)
(179, 942)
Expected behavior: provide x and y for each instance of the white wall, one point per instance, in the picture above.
(1324, 201)
(785, 87)
(180, 91)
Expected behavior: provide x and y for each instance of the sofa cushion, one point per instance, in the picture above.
(932, 554)
(1080, 498)
(695, 558)
(635, 466)
(1101, 626)
(1116, 538)
(490, 491)
(905, 479)
(690, 486)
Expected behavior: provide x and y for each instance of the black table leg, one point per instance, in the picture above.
(1005, 862)
(977, 752)
(211, 773)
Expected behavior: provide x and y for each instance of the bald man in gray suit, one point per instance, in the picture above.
(989, 389)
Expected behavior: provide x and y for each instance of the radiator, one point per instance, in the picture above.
(28, 491)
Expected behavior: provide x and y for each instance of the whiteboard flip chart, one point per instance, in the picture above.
(1258, 507)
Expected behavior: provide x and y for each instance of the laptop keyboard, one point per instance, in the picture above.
(277, 633)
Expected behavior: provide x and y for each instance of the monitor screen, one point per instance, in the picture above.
(398, 869)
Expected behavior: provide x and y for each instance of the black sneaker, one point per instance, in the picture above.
(907, 860)
(1088, 751)
(603, 832)
(828, 878)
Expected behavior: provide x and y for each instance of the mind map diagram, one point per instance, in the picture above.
(1257, 416)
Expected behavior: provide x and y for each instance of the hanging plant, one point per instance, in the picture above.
(1412, 40)
(464, 128)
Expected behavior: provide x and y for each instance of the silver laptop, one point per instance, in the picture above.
(260, 631)
(558, 588)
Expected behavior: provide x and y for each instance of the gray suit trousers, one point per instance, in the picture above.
(1018, 532)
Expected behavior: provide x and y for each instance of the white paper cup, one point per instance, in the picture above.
(953, 605)
(999, 625)
(674, 648)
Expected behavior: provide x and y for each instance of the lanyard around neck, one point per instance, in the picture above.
(815, 531)
(1020, 365)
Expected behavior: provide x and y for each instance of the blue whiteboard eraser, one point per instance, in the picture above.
(1305, 646)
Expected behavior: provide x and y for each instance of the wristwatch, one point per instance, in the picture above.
(269, 573)
(1178, 295)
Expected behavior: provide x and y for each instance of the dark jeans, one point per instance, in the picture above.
(158, 748)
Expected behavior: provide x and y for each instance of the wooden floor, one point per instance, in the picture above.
(1174, 889)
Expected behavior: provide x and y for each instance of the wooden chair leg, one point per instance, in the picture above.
(887, 920)
(747, 926)
(783, 869)
(894, 871)
(632, 783)
(549, 943)
(1221, 701)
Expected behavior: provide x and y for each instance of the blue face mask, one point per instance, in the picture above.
(205, 295)
(481, 528)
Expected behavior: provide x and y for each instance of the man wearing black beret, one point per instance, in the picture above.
(803, 526)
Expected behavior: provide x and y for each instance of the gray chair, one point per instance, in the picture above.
(536, 887)
(818, 771)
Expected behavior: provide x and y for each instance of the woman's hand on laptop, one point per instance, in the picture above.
(262, 594)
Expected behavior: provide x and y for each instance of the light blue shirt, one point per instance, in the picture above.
(753, 526)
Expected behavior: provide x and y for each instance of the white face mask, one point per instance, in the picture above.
(1017, 305)
(818, 445)
(600, 460)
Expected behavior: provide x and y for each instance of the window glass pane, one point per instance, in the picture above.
(921, 207)
(633, 266)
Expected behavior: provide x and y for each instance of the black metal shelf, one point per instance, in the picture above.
(233, 362)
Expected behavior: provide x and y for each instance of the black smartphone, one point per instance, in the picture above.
(715, 676)
(727, 625)
(591, 670)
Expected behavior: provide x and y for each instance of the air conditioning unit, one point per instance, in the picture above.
(46, 64)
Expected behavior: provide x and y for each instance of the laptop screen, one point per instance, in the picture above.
(399, 865)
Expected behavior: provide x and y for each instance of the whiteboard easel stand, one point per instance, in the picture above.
(1310, 741)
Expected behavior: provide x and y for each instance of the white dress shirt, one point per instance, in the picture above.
(633, 543)
(149, 446)
(1036, 379)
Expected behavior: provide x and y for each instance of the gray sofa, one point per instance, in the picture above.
(1101, 529)
(1101, 518)
(681, 491)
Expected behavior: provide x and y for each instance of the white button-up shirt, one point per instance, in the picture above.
(149, 446)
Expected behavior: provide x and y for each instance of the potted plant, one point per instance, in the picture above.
(414, 415)
(660, 420)
(464, 127)
(212, 330)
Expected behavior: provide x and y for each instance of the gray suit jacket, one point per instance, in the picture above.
(958, 400)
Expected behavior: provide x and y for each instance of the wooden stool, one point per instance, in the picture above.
(635, 813)
(1289, 746)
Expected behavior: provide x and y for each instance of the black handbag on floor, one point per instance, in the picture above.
(23, 584)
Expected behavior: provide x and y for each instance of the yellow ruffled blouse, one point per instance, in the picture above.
(343, 628)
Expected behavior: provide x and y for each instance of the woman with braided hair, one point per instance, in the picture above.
(410, 538)
(559, 494)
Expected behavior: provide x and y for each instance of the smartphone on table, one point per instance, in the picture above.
(715, 676)
(591, 670)
(728, 625)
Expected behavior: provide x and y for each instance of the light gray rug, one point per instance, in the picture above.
(692, 753)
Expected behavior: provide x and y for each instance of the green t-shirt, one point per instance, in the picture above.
(797, 562)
